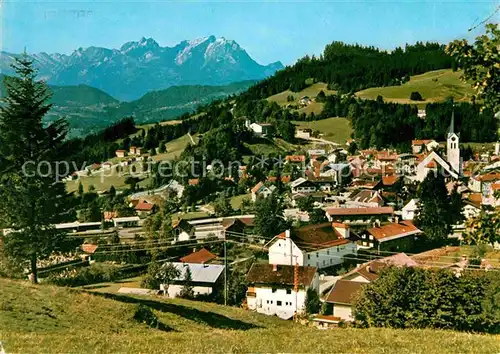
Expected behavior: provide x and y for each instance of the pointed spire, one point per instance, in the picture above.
(452, 123)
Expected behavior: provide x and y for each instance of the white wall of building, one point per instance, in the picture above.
(331, 256)
(343, 311)
(174, 290)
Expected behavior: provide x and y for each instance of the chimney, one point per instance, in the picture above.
(287, 234)
(396, 219)
(275, 267)
(378, 222)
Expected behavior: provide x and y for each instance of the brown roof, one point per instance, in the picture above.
(316, 237)
(89, 248)
(371, 270)
(193, 181)
(421, 142)
(143, 206)
(489, 177)
(247, 221)
(201, 256)
(393, 229)
(389, 180)
(263, 273)
(344, 292)
(359, 211)
(475, 199)
(295, 158)
(256, 188)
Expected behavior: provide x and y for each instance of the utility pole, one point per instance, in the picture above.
(225, 270)
(296, 287)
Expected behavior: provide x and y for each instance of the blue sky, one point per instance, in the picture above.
(269, 31)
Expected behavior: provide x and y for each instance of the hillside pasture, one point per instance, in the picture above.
(337, 130)
(48, 319)
(434, 86)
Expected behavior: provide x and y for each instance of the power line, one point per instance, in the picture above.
(485, 20)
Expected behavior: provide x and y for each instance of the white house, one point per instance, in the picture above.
(259, 129)
(452, 165)
(410, 210)
(205, 278)
(302, 185)
(321, 246)
(261, 190)
(279, 289)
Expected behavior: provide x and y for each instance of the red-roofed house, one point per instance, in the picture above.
(295, 158)
(201, 257)
(392, 237)
(144, 208)
(321, 245)
(261, 190)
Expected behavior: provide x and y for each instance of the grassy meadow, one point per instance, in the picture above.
(47, 319)
(434, 86)
(337, 129)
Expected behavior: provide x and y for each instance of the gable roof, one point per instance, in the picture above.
(263, 273)
(202, 273)
(257, 187)
(393, 230)
(366, 196)
(201, 256)
(89, 248)
(433, 156)
(359, 211)
(370, 270)
(316, 237)
(344, 291)
(144, 206)
(389, 180)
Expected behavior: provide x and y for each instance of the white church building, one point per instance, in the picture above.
(451, 165)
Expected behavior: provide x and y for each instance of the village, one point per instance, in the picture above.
(350, 213)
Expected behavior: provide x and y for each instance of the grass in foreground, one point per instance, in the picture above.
(46, 319)
(434, 86)
(337, 130)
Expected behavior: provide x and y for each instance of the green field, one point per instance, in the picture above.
(103, 183)
(311, 91)
(337, 130)
(237, 200)
(46, 319)
(434, 86)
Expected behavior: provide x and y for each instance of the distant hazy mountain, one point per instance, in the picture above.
(139, 67)
(88, 109)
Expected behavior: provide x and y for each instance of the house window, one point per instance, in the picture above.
(308, 256)
(371, 237)
(364, 236)
(338, 249)
(288, 291)
(268, 302)
(324, 262)
(327, 251)
(274, 290)
(317, 254)
(364, 243)
(331, 261)
(371, 244)
(278, 303)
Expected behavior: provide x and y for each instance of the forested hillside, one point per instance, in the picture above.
(350, 68)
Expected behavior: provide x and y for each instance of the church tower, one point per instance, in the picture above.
(453, 147)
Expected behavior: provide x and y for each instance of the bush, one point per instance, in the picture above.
(418, 298)
(313, 303)
(143, 314)
(416, 96)
(96, 273)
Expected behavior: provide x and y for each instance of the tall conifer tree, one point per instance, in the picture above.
(31, 198)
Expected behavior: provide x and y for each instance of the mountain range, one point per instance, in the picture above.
(142, 66)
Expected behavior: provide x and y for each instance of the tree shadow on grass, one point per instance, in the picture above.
(208, 318)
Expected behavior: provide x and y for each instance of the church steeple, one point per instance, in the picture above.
(453, 146)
